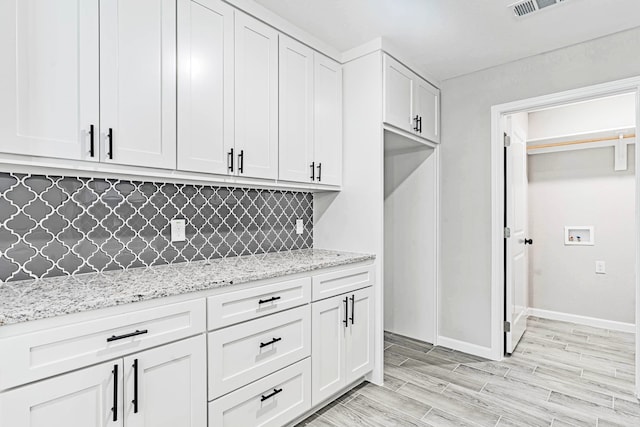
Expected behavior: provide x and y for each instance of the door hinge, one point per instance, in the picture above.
(507, 232)
(507, 326)
(507, 140)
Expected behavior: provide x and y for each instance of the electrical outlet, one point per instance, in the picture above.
(600, 267)
(178, 230)
(299, 226)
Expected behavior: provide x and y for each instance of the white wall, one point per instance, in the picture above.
(409, 239)
(465, 290)
(615, 112)
(581, 188)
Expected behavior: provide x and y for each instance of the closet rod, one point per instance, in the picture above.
(581, 141)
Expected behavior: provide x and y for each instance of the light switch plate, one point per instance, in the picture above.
(299, 226)
(178, 230)
(600, 267)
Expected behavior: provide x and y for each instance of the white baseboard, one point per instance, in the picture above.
(465, 347)
(583, 320)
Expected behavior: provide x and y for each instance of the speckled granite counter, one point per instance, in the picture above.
(27, 300)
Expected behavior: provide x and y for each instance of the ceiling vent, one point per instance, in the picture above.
(527, 7)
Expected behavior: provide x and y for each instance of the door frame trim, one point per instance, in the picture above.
(497, 195)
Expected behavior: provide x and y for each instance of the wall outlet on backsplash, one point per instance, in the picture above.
(178, 230)
(299, 226)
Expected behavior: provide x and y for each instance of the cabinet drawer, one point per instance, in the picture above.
(41, 354)
(243, 353)
(271, 401)
(339, 282)
(247, 304)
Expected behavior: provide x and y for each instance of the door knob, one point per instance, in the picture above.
(528, 241)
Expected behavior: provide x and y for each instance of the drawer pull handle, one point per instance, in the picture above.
(273, 341)
(132, 334)
(264, 301)
(353, 309)
(114, 408)
(135, 386)
(269, 396)
(346, 312)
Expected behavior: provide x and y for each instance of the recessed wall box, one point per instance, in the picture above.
(579, 235)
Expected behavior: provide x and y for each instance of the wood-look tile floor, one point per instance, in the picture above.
(561, 374)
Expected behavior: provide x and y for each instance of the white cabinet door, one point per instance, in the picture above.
(83, 398)
(328, 330)
(138, 82)
(427, 108)
(205, 86)
(49, 78)
(359, 347)
(328, 120)
(256, 114)
(296, 111)
(167, 386)
(398, 95)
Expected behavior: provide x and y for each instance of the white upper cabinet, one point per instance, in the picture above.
(296, 111)
(256, 92)
(398, 95)
(205, 86)
(310, 115)
(327, 126)
(427, 109)
(410, 103)
(138, 82)
(49, 78)
(190, 85)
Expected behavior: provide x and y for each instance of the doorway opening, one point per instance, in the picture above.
(565, 222)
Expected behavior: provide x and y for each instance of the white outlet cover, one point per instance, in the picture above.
(178, 230)
(299, 226)
(600, 267)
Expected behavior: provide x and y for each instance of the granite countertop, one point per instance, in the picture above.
(27, 300)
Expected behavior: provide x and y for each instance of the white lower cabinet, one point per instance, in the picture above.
(166, 386)
(249, 351)
(342, 341)
(83, 398)
(162, 387)
(272, 401)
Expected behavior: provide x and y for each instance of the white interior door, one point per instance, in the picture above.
(516, 280)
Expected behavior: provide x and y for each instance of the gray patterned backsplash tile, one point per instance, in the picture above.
(55, 225)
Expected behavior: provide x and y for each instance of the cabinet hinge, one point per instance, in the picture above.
(507, 326)
(507, 140)
(507, 232)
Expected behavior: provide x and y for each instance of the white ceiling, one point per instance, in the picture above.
(448, 38)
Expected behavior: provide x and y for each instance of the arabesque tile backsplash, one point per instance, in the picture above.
(61, 225)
